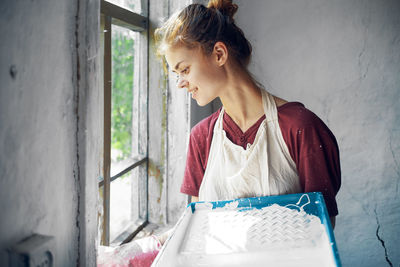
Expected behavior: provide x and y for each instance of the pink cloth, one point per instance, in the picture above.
(143, 260)
(140, 252)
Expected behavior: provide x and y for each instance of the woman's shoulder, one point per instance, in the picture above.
(204, 128)
(296, 115)
(301, 127)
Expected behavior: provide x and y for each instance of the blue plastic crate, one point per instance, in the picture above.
(173, 253)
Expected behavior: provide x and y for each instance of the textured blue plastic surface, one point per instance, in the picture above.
(312, 203)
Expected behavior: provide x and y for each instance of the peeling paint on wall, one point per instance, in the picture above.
(168, 129)
(154, 171)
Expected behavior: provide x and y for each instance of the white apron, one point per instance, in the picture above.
(264, 168)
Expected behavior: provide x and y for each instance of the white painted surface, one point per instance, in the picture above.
(49, 126)
(273, 235)
(342, 60)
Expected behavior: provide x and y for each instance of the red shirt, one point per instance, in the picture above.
(311, 144)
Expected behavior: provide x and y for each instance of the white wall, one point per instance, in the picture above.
(342, 60)
(50, 131)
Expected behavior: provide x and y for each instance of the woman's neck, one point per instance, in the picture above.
(242, 99)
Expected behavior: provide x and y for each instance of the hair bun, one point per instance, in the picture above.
(226, 7)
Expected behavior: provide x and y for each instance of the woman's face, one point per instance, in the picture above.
(200, 74)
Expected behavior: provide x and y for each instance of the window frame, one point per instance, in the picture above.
(125, 18)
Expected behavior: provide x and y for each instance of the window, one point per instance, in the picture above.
(123, 188)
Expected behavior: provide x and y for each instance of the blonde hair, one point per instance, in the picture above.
(197, 25)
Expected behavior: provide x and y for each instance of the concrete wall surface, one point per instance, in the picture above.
(49, 126)
(342, 60)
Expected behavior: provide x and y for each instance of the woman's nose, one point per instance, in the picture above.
(182, 83)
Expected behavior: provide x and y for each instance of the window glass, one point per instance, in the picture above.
(132, 5)
(124, 126)
(123, 115)
(123, 205)
(125, 61)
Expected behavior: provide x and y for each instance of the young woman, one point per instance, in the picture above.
(257, 144)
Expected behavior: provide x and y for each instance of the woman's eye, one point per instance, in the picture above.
(185, 70)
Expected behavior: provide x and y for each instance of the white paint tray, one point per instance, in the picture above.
(279, 231)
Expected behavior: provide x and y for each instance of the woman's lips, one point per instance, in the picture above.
(193, 92)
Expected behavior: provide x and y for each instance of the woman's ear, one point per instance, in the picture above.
(220, 53)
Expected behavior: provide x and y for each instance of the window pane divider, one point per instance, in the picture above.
(124, 17)
(107, 131)
(132, 235)
(136, 162)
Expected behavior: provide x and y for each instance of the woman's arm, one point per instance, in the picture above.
(194, 199)
(314, 149)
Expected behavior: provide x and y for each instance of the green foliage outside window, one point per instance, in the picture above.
(122, 92)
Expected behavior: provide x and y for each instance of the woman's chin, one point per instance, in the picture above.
(201, 102)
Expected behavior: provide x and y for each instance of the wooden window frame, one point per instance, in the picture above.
(117, 15)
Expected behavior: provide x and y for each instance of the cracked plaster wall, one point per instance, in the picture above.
(169, 128)
(49, 108)
(342, 60)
